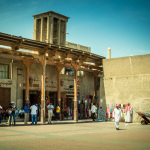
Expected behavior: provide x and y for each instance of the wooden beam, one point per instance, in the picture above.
(68, 52)
(79, 55)
(46, 47)
(17, 53)
(86, 56)
(17, 44)
(53, 52)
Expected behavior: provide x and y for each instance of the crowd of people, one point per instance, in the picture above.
(11, 113)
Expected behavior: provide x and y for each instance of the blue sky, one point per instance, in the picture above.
(122, 25)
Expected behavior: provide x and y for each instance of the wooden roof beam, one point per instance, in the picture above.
(68, 52)
(16, 45)
(86, 56)
(53, 52)
(44, 49)
(79, 55)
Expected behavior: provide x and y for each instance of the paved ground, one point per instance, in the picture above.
(84, 135)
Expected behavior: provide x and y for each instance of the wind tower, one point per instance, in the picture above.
(50, 27)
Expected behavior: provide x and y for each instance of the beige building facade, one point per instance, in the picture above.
(127, 80)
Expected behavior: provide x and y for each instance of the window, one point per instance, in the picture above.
(4, 71)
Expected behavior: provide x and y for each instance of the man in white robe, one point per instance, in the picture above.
(128, 113)
(93, 110)
(117, 116)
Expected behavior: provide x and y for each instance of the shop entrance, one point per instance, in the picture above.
(70, 102)
(35, 97)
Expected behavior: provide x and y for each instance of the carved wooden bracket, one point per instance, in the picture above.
(27, 62)
(75, 66)
(42, 59)
(59, 67)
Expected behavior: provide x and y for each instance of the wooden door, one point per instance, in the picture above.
(4, 97)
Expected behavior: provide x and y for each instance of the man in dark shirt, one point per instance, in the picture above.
(12, 109)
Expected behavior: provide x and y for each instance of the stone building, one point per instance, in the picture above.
(127, 79)
(48, 67)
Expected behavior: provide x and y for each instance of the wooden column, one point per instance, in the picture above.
(27, 64)
(76, 67)
(59, 68)
(43, 62)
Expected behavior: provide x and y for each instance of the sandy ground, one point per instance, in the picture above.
(84, 135)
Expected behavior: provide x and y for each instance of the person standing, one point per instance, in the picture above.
(128, 113)
(39, 111)
(58, 112)
(50, 112)
(117, 116)
(93, 110)
(34, 114)
(16, 114)
(12, 114)
(69, 114)
(26, 113)
(8, 113)
(1, 113)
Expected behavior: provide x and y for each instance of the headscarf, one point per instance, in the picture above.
(127, 108)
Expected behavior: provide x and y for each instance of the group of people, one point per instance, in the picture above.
(12, 113)
(118, 115)
(36, 111)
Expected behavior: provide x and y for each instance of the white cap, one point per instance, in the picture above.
(12, 102)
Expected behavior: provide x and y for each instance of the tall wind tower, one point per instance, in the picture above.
(50, 27)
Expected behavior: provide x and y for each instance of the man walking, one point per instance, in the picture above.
(50, 112)
(12, 114)
(34, 114)
(93, 110)
(117, 116)
(26, 113)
